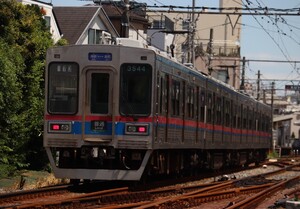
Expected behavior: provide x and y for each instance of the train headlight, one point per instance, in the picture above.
(59, 127)
(136, 129)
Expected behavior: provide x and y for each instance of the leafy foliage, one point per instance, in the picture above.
(24, 39)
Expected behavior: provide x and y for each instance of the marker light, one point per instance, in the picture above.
(142, 129)
(136, 129)
(59, 127)
(55, 127)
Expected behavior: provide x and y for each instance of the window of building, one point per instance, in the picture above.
(94, 36)
(185, 24)
(48, 21)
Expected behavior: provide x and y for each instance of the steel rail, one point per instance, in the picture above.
(259, 197)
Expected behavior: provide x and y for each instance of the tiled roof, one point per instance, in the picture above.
(73, 20)
(114, 11)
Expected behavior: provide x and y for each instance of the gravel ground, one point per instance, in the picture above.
(34, 179)
(278, 196)
(28, 180)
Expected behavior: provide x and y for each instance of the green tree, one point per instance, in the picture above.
(25, 39)
(11, 128)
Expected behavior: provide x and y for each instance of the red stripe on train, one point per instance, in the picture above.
(160, 120)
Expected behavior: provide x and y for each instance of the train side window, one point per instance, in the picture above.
(175, 97)
(255, 121)
(202, 105)
(239, 112)
(166, 94)
(227, 113)
(99, 93)
(63, 88)
(218, 109)
(258, 121)
(190, 101)
(251, 115)
(245, 116)
(263, 123)
(160, 92)
(197, 105)
(268, 120)
(163, 92)
(209, 107)
(233, 112)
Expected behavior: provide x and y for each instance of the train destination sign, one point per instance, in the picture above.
(292, 87)
(100, 56)
(98, 125)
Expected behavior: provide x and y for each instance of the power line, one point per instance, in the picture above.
(268, 79)
(282, 61)
(224, 13)
(261, 60)
(227, 10)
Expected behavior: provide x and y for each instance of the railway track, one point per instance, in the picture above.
(12, 199)
(179, 196)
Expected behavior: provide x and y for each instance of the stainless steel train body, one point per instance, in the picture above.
(116, 112)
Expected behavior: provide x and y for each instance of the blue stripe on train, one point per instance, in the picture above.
(77, 129)
(120, 127)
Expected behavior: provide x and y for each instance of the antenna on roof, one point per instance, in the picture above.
(97, 1)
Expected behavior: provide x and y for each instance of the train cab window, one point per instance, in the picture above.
(62, 88)
(135, 89)
(99, 93)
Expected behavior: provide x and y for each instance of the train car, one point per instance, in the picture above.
(124, 112)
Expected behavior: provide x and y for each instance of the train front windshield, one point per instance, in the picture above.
(63, 88)
(135, 89)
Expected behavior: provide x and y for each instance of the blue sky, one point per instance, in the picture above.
(262, 37)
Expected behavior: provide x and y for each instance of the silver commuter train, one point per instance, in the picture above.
(117, 112)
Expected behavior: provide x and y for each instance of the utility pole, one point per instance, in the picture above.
(125, 20)
(272, 112)
(210, 50)
(258, 85)
(242, 87)
(193, 26)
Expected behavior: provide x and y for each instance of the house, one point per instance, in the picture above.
(215, 42)
(78, 25)
(138, 23)
(46, 9)
(84, 25)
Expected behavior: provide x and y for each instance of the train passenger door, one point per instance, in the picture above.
(97, 109)
(162, 108)
(167, 105)
(175, 125)
(183, 113)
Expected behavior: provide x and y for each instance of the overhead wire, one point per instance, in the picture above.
(280, 33)
(260, 8)
(272, 38)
